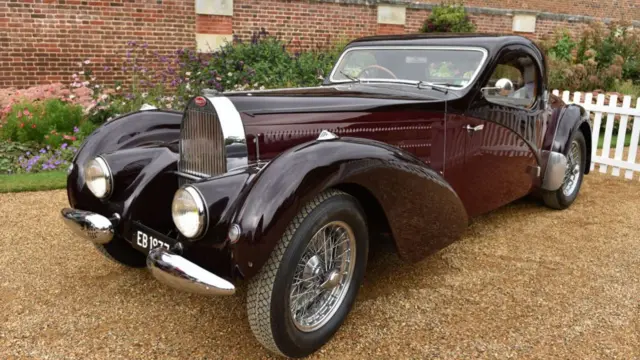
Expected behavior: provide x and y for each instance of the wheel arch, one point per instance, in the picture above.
(586, 130)
(423, 212)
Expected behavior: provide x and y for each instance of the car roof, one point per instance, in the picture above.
(487, 41)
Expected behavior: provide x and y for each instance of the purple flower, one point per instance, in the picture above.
(106, 68)
(57, 162)
(145, 45)
(29, 168)
(163, 59)
(64, 146)
(36, 158)
(42, 151)
(20, 158)
(28, 153)
(75, 130)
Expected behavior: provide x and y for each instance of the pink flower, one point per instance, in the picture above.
(21, 125)
(26, 112)
(19, 115)
(33, 126)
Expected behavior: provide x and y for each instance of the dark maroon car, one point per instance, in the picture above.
(409, 137)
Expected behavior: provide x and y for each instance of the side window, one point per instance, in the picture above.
(514, 82)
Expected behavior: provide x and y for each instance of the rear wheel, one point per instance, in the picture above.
(121, 252)
(304, 292)
(576, 162)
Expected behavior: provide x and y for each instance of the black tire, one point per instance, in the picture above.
(121, 252)
(268, 297)
(559, 199)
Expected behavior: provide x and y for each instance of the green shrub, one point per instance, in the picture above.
(266, 62)
(47, 122)
(598, 58)
(448, 18)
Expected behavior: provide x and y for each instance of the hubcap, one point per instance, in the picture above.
(572, 175)
(323, 276)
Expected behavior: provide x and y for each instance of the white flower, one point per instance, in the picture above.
(80, 64)
(168, 106)
(261, 87)
(104, 97)
(118, 88)
(93, 78)
(229, 74)
(97, 86)
(74, 75)
(87, 62)
(81, 73)
(85, 83)
(72, 97)
(144, 95)
(188, 73)
(188, 87)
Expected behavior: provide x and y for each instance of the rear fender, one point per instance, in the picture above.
(569, 119)
(423, 211)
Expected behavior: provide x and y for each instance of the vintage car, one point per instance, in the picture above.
(408, 138)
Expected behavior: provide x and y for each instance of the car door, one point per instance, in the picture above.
(501, 130)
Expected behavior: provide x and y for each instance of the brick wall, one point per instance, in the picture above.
(43, 40)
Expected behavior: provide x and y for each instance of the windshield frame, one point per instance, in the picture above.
(485, 55)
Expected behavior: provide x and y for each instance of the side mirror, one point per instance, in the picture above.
(503, 86)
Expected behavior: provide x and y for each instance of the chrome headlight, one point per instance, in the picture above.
(98, 177)
(188, 212)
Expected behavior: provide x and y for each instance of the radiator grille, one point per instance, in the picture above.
(202, 148)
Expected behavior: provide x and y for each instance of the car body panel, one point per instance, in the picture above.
(407, 147)
(423, 211)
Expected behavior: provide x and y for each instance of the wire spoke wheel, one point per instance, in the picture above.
(322, 276)
(572, 175)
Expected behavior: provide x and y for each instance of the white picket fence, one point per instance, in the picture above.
(611, 111)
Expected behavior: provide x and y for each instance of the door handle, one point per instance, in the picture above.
(472, 129)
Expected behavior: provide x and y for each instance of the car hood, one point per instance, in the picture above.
(346, 97)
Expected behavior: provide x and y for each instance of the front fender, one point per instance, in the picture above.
(129, 144)
(423, 211)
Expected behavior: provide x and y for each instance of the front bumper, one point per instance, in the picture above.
(166, 266)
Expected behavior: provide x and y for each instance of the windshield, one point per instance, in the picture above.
(453, 67)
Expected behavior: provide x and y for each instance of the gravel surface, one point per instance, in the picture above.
(525, 282)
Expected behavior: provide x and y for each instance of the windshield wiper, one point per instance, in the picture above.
(442, 87)
(438, 87)
(350, 77)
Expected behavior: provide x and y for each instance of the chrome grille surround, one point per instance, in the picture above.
(210, 135)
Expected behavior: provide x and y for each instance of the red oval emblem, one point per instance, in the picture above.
(200, 101)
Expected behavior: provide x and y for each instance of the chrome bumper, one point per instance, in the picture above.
(167, 267)
(94, 227)
(180, 273)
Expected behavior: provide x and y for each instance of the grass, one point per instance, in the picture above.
(614, 141)
(33, 182)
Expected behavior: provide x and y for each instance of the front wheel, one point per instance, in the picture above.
(305, 290)
(576, 162)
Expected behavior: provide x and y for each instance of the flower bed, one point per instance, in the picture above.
(42, 127)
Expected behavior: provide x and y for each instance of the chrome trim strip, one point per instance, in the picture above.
(91, 226)
(230, 121)
(175, 271)
(484, 52)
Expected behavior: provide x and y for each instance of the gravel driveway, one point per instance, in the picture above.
(524, 282)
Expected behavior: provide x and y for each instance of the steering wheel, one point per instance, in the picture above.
(378, 67)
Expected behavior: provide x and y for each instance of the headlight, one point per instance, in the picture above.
(98, 177)
(188, 212)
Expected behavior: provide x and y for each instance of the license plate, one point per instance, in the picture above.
(145, 239)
